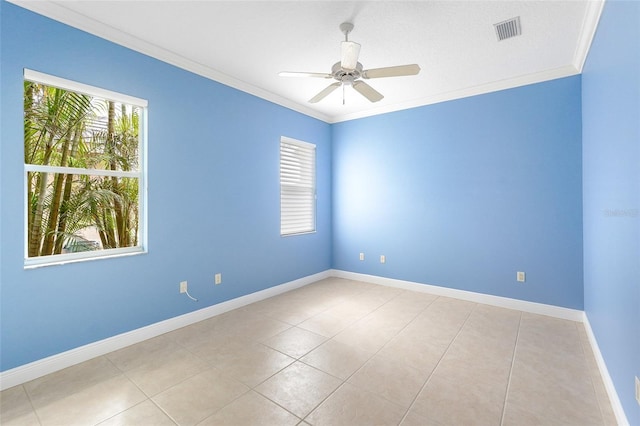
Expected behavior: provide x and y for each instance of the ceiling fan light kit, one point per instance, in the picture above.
(349, 71)
(350, 53)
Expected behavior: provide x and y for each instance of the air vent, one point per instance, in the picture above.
(508, 29)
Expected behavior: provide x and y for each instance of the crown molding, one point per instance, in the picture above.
(496, 86)
(589, 27)
(58, 12)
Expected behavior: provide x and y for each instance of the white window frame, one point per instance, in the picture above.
(297, 186)
(140, 174)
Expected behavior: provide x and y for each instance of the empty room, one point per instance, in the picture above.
(320, 212)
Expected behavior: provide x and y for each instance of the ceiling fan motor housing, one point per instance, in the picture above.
(346, 76)
(348, 71)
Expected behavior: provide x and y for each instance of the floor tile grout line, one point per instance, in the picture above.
(513, 361)
(296, 359)
(377, 351)
(312, 316)
(210, 366)
(133, 406)
(249, 389)
(33, 407)
(265, 397)
(124, 373)
(207, 366)
(444, 354)
(81, 389)
(346, 380)
(148, 397)
(163, 411)
(389, 341)
(263, 341)
(586, 355)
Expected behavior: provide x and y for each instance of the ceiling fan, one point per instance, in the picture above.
(349, 72)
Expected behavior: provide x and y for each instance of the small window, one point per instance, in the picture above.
(84, 171)
(297, 187)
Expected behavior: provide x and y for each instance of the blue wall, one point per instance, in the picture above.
(213, 197)
(460, 194)
(465, 193)
(611, 155)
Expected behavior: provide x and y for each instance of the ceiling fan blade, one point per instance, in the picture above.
(397, 71)
(304, 74)
(367, 91)
(350, 53)
(325, 92)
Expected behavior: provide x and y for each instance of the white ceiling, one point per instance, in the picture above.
(244, 44)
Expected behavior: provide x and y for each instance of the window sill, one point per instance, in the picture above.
(35, 263)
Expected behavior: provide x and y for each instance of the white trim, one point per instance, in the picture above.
(481, 89)
(616, 405)
(58, 12)
(140, 174)
(303, 144)
(487, 299)
(298, 204)
(62, 83)
(83, 256)
(31, 371)
(78, 171)
(39, 368)
(589, 27)
(504, 302)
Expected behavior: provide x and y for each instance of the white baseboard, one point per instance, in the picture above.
(42, 367)
(504, 302)
(616, 405)
(487, 299)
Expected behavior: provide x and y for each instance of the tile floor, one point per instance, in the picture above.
(336, 352)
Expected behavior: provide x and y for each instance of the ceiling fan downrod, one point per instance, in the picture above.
(346, 28)
(349, 72)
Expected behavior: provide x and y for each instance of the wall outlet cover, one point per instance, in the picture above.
(638, 390)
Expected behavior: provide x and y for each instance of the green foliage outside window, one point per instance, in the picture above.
(81, 157)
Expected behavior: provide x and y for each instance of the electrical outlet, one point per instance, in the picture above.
(520, 276)
(638, 390)
(361, 256)
(218, 279)
(183, 286)
(383, 259)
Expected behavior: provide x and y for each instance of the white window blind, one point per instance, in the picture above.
(297, 187)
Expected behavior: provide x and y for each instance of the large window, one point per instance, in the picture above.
(84, 171)
(297, 187)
